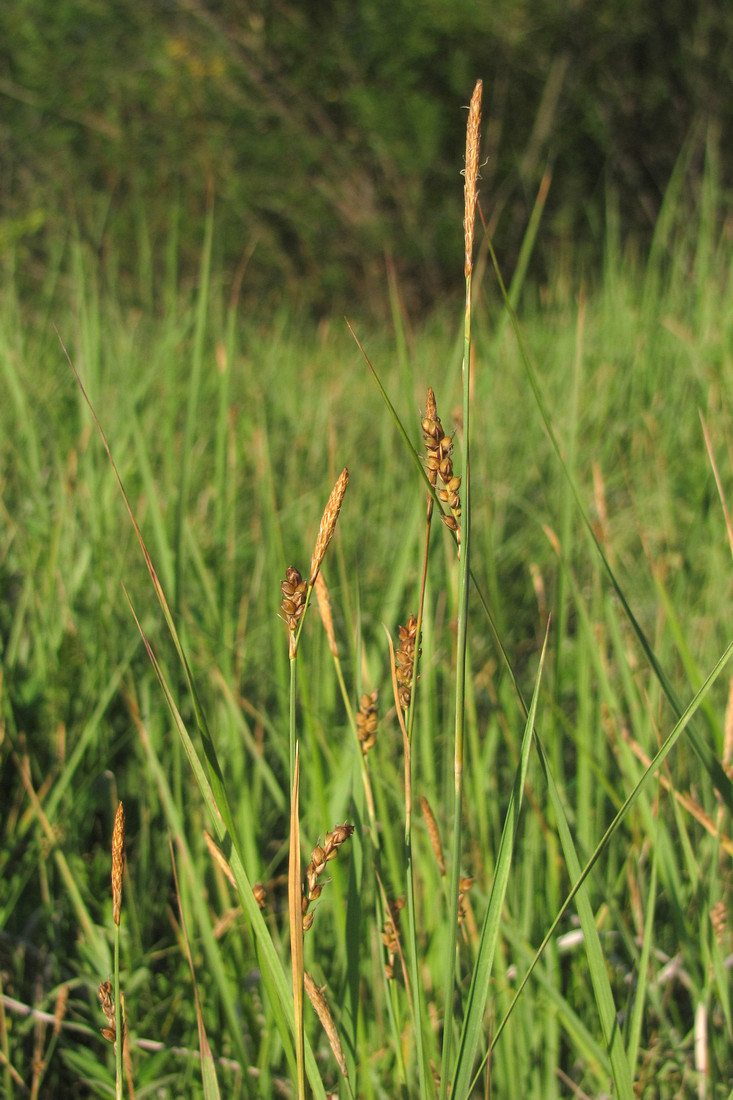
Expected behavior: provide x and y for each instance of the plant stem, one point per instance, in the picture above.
(461, 639)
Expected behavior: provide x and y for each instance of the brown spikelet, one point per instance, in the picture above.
(294, 590)
(471, 175)
(439, 463)
(719, 920)
(405, 660)
(118, 861)
(366, 721)
(433, 833)
(320, 856)
(107, 1004)
(464, 886)
(316, 998)
(391, 934)
(328, 523)
(324, 607)
(60, 1008)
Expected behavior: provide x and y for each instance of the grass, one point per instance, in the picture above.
(593, 506)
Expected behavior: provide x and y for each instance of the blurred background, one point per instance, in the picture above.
(329, 135)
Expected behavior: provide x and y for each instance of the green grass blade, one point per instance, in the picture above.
(282, 1003)
(642, 784)
(620, 1069)
(194, 385)
(472, 1031)
(703, 750)
(208, 1069)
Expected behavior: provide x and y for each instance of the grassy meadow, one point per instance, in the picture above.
(601, 434)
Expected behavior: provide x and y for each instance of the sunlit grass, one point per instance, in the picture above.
(227, 479)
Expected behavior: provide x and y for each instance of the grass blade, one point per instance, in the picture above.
(472, 1031)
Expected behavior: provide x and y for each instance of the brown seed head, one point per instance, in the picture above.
(294, 590)
(328, 523)
(405, 660)
(464, 887)
(471, 175)
(391, 934)
(366, 721)
(319, 858)
(107, 1004)
(118, 861)
(719, 920)
(439, 464)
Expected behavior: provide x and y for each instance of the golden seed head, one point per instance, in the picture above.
(328, 523)
(471, 175)
(324, 607)
(118, 861)
(60, 1008)
(316, 998)
(433, 833)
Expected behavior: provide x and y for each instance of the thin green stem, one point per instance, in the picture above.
(461, 638)
(119, 1030)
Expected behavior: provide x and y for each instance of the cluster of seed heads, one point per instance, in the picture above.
(320, 856)
(294, 590)
(440, 465)
(366, 721)
(405, 660)
(391, 934)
